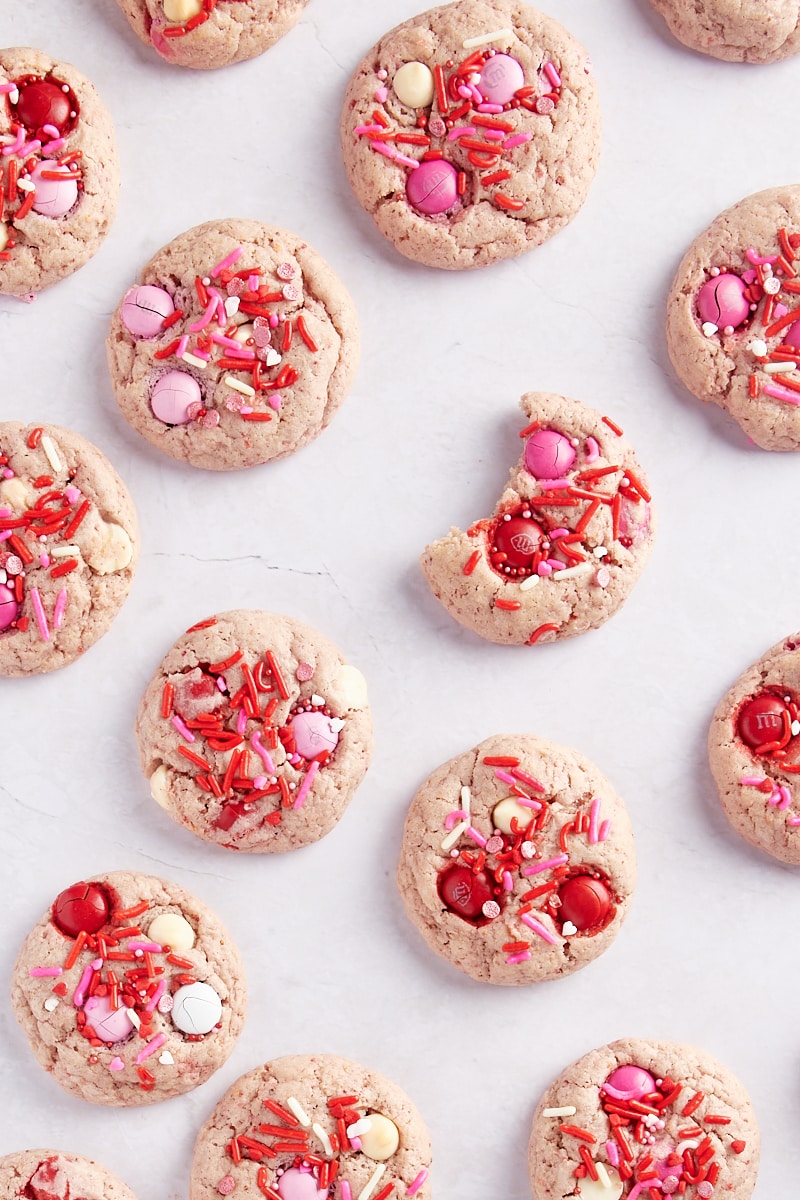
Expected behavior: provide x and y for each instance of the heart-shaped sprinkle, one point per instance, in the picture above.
(709, 328)
(272, 358)
(232, 305)
(116, 1064)
(166, 1058)
(336, 725)
(51, 1003)
(568, 929)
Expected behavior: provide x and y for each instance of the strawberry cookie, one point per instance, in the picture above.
(569, 537)
(52, 1175)
(58, 170)
(756, 31)
(471, 133)
(254, 732)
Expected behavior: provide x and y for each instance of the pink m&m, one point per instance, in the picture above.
(144, 309)
(110, 1024)
(548, 454)
(722, 301)
(173, 395)
(792, 338)
(629, 1083)
(9, 609)
(53, 197)
(313, 734)
(433, 187)
(500, 78)
(297, 1184)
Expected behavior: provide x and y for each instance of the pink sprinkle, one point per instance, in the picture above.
(516, 140)
(15, 146)
(412, 1187)
(304, 672)
(30, 147)
(305, 786)
(221, 683)
(545, 568)
(44, 972)
(757, 260)
(794, 821)
(786, 798)
(228, 261)
(156, 996)
(275, 401)
(490, 108)
(54, 147)
(183, 729)
(553, 485)
(382, 148)
(241, 721)
(496, 135)
(605, 829)
(504, 775)
(508, 882)
(552, 74)
(537, 927)
(274, 321)
(80, 991)
(146, 947)
(521, 956)
(262, 752)
(58, 611)
(226, 1185)
(406, 161)
(778, 393)
(537, 868)
(151, 1047)
(612, 1150)
(515, 771)
(252, 283)
(381, 95)
(50, 130)
(751, 781)
(344, 1187)
(183, 346)
(6, 88)
(594, 815)
(41, 619)
(206, 317)
(44, 559)
(6, 534)
(592, 450)
(367, 129)
(458, 814)
(222, 340)
(459, 132)
(558, 533)
(464, 91)
(73, 494)
(116, 1064)
(476, 836)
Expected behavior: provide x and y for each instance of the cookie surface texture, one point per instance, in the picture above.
(733, 319)
(135, 1029)
(53, 1175)
(569, 537)
(206, 34)
(754, 752)
(236, 347)
(69, 548)
(757, 31)
(471, 133)
(254, 732)
(636, 1111)
(518, 862)
(323, 1118)
(61, 173)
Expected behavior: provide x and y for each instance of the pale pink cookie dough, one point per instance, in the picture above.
(54, 1175)
(754, 751)
(68, 546)
(129, 990)
(254, 732)
(58, 169)
(733, 316)
(756, 31)
(236, 347)
(644, 1118)
(211, 33)
(567, 541)
(471, 133)
(330, 1128)
(518, 862)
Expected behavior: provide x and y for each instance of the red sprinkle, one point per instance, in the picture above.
(471, 563)
(540, 632)
(615, 428)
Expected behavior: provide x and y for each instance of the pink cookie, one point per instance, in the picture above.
(54, 1175)
(753, 31)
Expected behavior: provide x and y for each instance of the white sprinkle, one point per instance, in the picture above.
(232, 305)
(772, 286)
(373, 1182)
(26, 185)
(466, 799)
(779, 368)
(499, 35)
(569, 572)
(315, 699)
(51, 453)
(529, 583)
(273, 358)
(758, 347)
(324, 1140)
(602, 1174)
(3, 576)
(133, 1017)
(454, 835)
(65, 551)
(709, 328)
(193, 360)
(166, 1058)
(244, 388)
(358, 1127)
(795, 728)
(600, 552)
(51, 1003)
(568, 929)
(296, 1108)
(569, 1111)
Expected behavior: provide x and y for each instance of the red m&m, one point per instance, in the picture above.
(585, 901)
(465, 892)
(82, 908)
(44, 102)
(518, 538)
(761, 720)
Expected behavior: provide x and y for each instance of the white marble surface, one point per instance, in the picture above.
(709, 953)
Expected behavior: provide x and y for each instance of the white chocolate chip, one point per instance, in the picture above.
(709, 328)
(349, 689)
(115, 551)
(414, 85)
(609, 1188)
(181, 10)
(159, 787)
(173, 930)
(380, 1141)
(504, 812)
(244, 332)
(16, 493)
(3, 235)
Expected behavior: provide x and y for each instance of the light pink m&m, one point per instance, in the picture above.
(110, 1024)
(144, 309)
(313, 734)
(722, 301)
(9, 609)
(53, 197)
(173, 395)
(433, 187)
(548, 454)
(629, 1083)
(297, 1184)
(500, 78)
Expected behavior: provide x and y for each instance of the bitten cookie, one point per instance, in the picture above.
(59, 170)
(254, 732)
(568, 540)
(53, 1175)
(640, 1119)
(129, 990)
(291, 1128)
(518, 862)
(754, 751)
(68, 546)
(471, 133)
(211, 33)
(757, 31)
(733, 316)
(237, 346)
